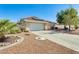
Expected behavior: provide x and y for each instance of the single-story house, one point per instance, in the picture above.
(37, 24)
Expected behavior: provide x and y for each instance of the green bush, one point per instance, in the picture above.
(15, 30)
(6, 27)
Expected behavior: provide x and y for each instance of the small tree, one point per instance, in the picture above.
(72, 13)
(60, 18)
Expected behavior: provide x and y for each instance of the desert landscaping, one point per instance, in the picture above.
(30, 45)
(34, 35)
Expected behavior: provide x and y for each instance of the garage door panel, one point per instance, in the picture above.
(36, 26)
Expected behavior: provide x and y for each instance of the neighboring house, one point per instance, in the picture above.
(59, 26)
(36, 24)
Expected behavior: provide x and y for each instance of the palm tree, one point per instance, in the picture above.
(5, 27)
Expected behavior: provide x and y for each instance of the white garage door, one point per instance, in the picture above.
(36, 27)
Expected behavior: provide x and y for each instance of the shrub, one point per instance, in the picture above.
(6, 27)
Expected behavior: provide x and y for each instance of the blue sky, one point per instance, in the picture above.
(45, 11)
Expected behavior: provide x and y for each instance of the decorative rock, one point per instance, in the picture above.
(40, 38)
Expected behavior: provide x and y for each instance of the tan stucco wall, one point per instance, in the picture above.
(48, 26)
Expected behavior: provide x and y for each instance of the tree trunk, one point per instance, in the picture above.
(69, 27)
(64, 27)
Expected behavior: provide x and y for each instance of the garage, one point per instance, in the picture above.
(36, 26)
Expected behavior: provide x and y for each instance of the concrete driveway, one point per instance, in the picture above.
(67, 40)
